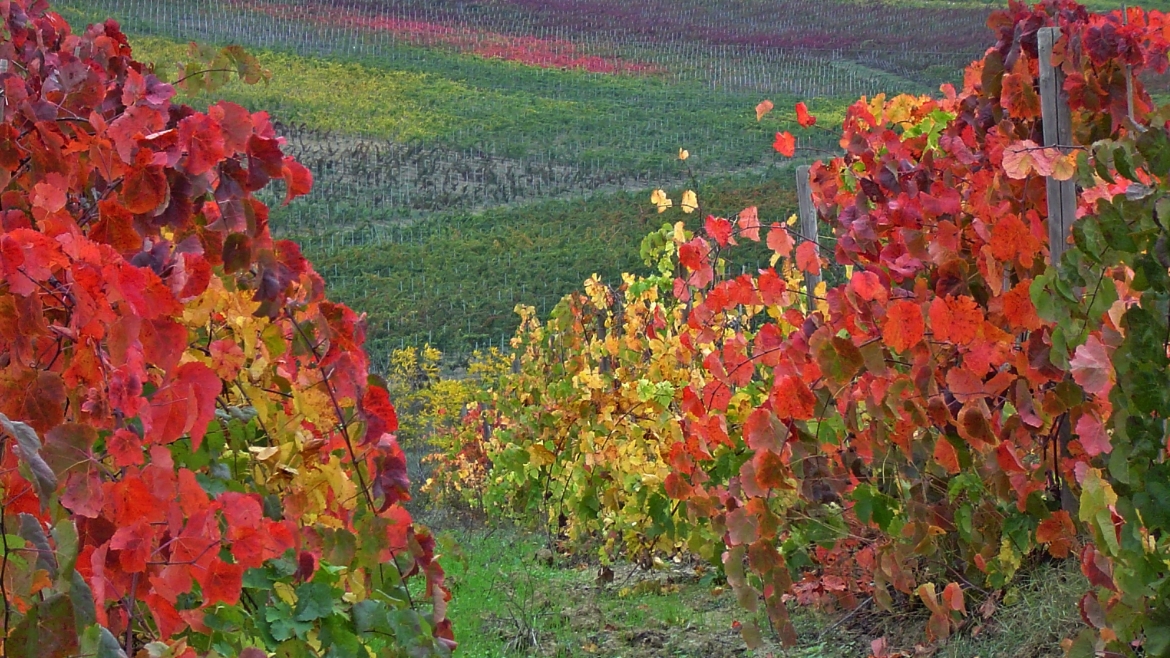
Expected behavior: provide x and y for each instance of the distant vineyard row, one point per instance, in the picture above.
(778, 51)
(453, 279)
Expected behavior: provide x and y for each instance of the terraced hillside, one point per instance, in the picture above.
(455, 143)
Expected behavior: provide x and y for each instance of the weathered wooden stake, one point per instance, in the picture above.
(1062, 195)
(808, 225)
(1062, 203)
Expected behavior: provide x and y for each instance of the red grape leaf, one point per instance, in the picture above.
(44, 401)
(868, 287)
(134, 543)
(1092, 367)
(133, 500)
(807, 258)
(785, 144)
(145, 188)
(1092, 435)
(126, 448)
(770, 472)
(83, 493)
(763, 431)
(772, 289)
(805, 119)
(720, 229)
(676, 487)
(1019, 97)
(1097, 568)
(953, 597)
(203, 140)
(964, 384)
(235, 123)
(1012, 240)
(1092, 612)
(298, 179)
(221, 583)
(381, 417)
(1008, 460)
(742, 527)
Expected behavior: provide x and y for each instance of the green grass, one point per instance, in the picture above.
(508, 601)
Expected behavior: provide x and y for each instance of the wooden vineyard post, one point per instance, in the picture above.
(1057, 119)
(1062, 202)
(808, 226)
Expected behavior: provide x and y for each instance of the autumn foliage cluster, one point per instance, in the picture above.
(957, 405)
(193, 456)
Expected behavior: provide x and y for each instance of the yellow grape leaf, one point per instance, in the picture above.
(877, 105)
(540, 455)
(1064, 167)
(285, 592)
(690, 202)
(901, 108)
(821, 291)
(264, 453)
(659, 198)
(683, 154)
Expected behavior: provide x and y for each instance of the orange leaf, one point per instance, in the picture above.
(955, 319)
(748, 223)
(1011, 239)
(1058, 532)
(785, 144)
(763, 108)
(953, 597)
(946, 456)
(1007, 459)
(676, 487)
(805, 119)
(779, 240)
(1018, 309)
(791, 398)
(904, 326)
(868, 286)
(1019, 98)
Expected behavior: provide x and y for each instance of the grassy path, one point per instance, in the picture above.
(513, 599)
